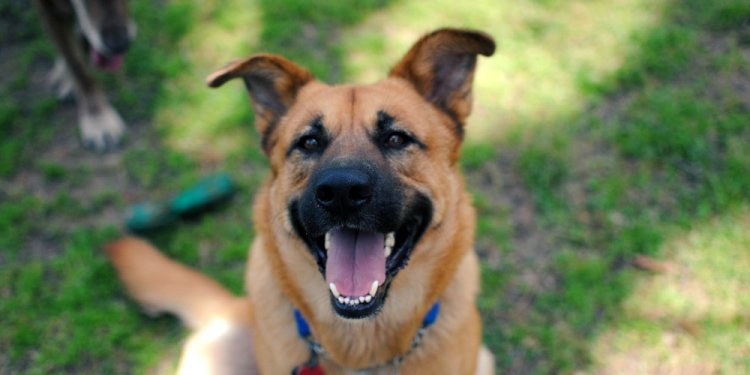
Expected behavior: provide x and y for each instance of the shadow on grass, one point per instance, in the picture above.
(664, 151)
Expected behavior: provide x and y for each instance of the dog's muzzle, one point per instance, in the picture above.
(359, 224)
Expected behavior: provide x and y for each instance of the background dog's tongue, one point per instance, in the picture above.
(355, 260)
(109, 63)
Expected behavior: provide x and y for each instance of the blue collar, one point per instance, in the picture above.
(303, 328)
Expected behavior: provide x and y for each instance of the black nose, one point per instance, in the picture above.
(116, 39)
(342, 190)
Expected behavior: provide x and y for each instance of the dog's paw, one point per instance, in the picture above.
(101, 130)
(60, 81)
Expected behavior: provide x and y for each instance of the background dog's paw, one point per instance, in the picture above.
(60, 81)
(102, 130)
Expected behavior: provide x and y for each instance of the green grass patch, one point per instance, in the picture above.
(730, 15)
(42, 298)
(17, 221)
(53, 171)
(474, 155)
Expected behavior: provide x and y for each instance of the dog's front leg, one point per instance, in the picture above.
(100, 125)
(220, 348)
(485, 362)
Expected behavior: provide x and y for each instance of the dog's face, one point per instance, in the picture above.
(358, 170)
(107, 28)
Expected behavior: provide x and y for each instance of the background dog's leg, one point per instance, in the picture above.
(59, 79)
(101, 126)
(222, 339)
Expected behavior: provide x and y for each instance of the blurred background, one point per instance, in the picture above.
(607, 154)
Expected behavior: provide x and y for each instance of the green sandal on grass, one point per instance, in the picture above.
(203, 195)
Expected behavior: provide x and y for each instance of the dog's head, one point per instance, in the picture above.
(107, 28)
(362, 173)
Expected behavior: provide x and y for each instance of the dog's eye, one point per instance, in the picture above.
(396, 140)
(310, 143)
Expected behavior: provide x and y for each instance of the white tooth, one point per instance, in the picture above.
(390, 239)
(341, 299)
(346, 300)
(368, 298)
(334, 290)
(355, 302)
(328, 240)
(362, 299)
(374, 288)
(388, 250)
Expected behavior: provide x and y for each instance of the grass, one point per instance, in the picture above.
(602, 132)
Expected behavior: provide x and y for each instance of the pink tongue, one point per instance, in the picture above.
(355, 260)
(108, 63)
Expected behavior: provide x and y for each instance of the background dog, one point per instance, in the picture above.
(362, 228)
(86, 33)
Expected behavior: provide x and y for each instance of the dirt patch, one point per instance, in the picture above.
(531, 243)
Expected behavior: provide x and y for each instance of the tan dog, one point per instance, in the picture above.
(363, 228)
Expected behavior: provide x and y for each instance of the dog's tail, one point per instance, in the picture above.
(162, 285)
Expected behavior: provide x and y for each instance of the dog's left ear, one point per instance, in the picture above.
(273, 83)
(441, 68)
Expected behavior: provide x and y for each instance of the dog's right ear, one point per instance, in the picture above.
(273, 83)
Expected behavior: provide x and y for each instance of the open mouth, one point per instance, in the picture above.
(359, 264)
